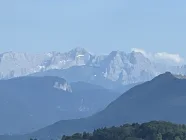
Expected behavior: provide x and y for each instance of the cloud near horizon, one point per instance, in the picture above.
(161, 56)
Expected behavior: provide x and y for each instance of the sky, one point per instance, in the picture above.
(100, 26)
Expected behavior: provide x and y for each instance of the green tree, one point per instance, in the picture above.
(86, 135)
(177, 138)
(158, 136)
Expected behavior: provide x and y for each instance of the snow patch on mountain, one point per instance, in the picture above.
(118, 66)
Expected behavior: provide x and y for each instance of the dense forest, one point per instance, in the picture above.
(155, 130)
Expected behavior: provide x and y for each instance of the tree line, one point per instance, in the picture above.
(155, 130)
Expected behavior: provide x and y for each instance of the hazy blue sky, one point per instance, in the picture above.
(97, 25)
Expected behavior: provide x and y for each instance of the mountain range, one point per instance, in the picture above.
(30, 103)
(110, 71)
(163, 98)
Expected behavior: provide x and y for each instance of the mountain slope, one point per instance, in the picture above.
(13, 64)
(110, 71)
(35, 102)
(163, 98)
(114, 69)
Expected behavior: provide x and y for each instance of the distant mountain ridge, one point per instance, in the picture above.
(14, 64)
(116, 68)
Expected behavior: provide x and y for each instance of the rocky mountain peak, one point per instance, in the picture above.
(78, 51)
(137, 57)
(164, 78)
(117, 54)
(119, 66)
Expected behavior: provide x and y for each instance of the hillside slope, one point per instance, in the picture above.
(163, 98)
(30, 103)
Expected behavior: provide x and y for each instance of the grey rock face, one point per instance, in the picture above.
(117, 67)
(14, 64)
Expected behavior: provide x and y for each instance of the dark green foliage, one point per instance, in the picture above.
(155, 130)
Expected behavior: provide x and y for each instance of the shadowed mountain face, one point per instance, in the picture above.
(163, 98)
(30, 103)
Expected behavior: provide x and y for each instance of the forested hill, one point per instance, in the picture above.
(155, 130)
